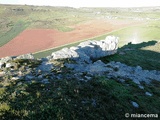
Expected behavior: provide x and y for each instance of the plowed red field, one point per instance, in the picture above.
(33, 40)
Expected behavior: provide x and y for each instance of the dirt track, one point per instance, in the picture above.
(33, 40)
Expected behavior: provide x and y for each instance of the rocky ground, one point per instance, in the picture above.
(75, 60)
(79, 62)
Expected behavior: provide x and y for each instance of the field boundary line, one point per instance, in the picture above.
(86, 39)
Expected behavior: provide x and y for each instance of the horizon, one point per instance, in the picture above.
(83, 3)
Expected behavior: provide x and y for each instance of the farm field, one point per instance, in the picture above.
(34, 40)
(46, 89)
(65, 25)
(135, 34)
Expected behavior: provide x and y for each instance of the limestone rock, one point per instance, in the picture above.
(45, 81)
(148, 94)
(135, 104)
(88, 50)
(9, 65)
(5, 59)
(45, 67)
(26, 56)
(2, 73)
(29, 77)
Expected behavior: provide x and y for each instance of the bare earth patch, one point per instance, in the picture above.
(33, 40)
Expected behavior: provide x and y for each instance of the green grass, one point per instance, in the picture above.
(15, 19)
(16, 29)
(73, 100)
(136, 56)
(144, 54)
(45, 53)
(70, 99)
(145, 32)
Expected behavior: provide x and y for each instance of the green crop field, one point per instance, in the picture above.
(61, 18)
(67, 98)
(17, 28)
(15, 19)
(142, 33)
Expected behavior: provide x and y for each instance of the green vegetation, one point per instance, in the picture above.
(143, 33)
(15, 19)
(70, 99)
(145, 54)
(74, 100)
(134, 55)
(13, 32)
(45, 53)
(61, 18)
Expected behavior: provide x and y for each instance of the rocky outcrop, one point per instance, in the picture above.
(80, 62)
(118, 71)
(26, 56)
(86, 51)
(6, 62)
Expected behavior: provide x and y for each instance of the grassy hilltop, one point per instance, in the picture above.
(66, 97)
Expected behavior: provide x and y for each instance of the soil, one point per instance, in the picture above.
(33, 40)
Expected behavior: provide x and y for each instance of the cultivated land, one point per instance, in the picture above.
(65, 97)
(34, 40)
(66, 25)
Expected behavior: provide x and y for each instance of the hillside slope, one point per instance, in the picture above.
(74, 83)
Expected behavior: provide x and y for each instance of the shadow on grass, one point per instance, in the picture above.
(134, 55)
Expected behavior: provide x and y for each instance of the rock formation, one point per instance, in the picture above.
(81, 62)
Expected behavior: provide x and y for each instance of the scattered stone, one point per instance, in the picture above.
(5, 59)
(2, 64)
(88, 78)
(20, 73)
(40, 76)
(141, 87)
(135, 104)
(45, 67)
(15, 78)
(148, 94)
(19, 83)
(136, 81)
(2, 74)
(121, 80)
(116, 68)
(139, 68)
(29, 77)
(59, 76)
(9, 65)
(26, 56)
(45, 81)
